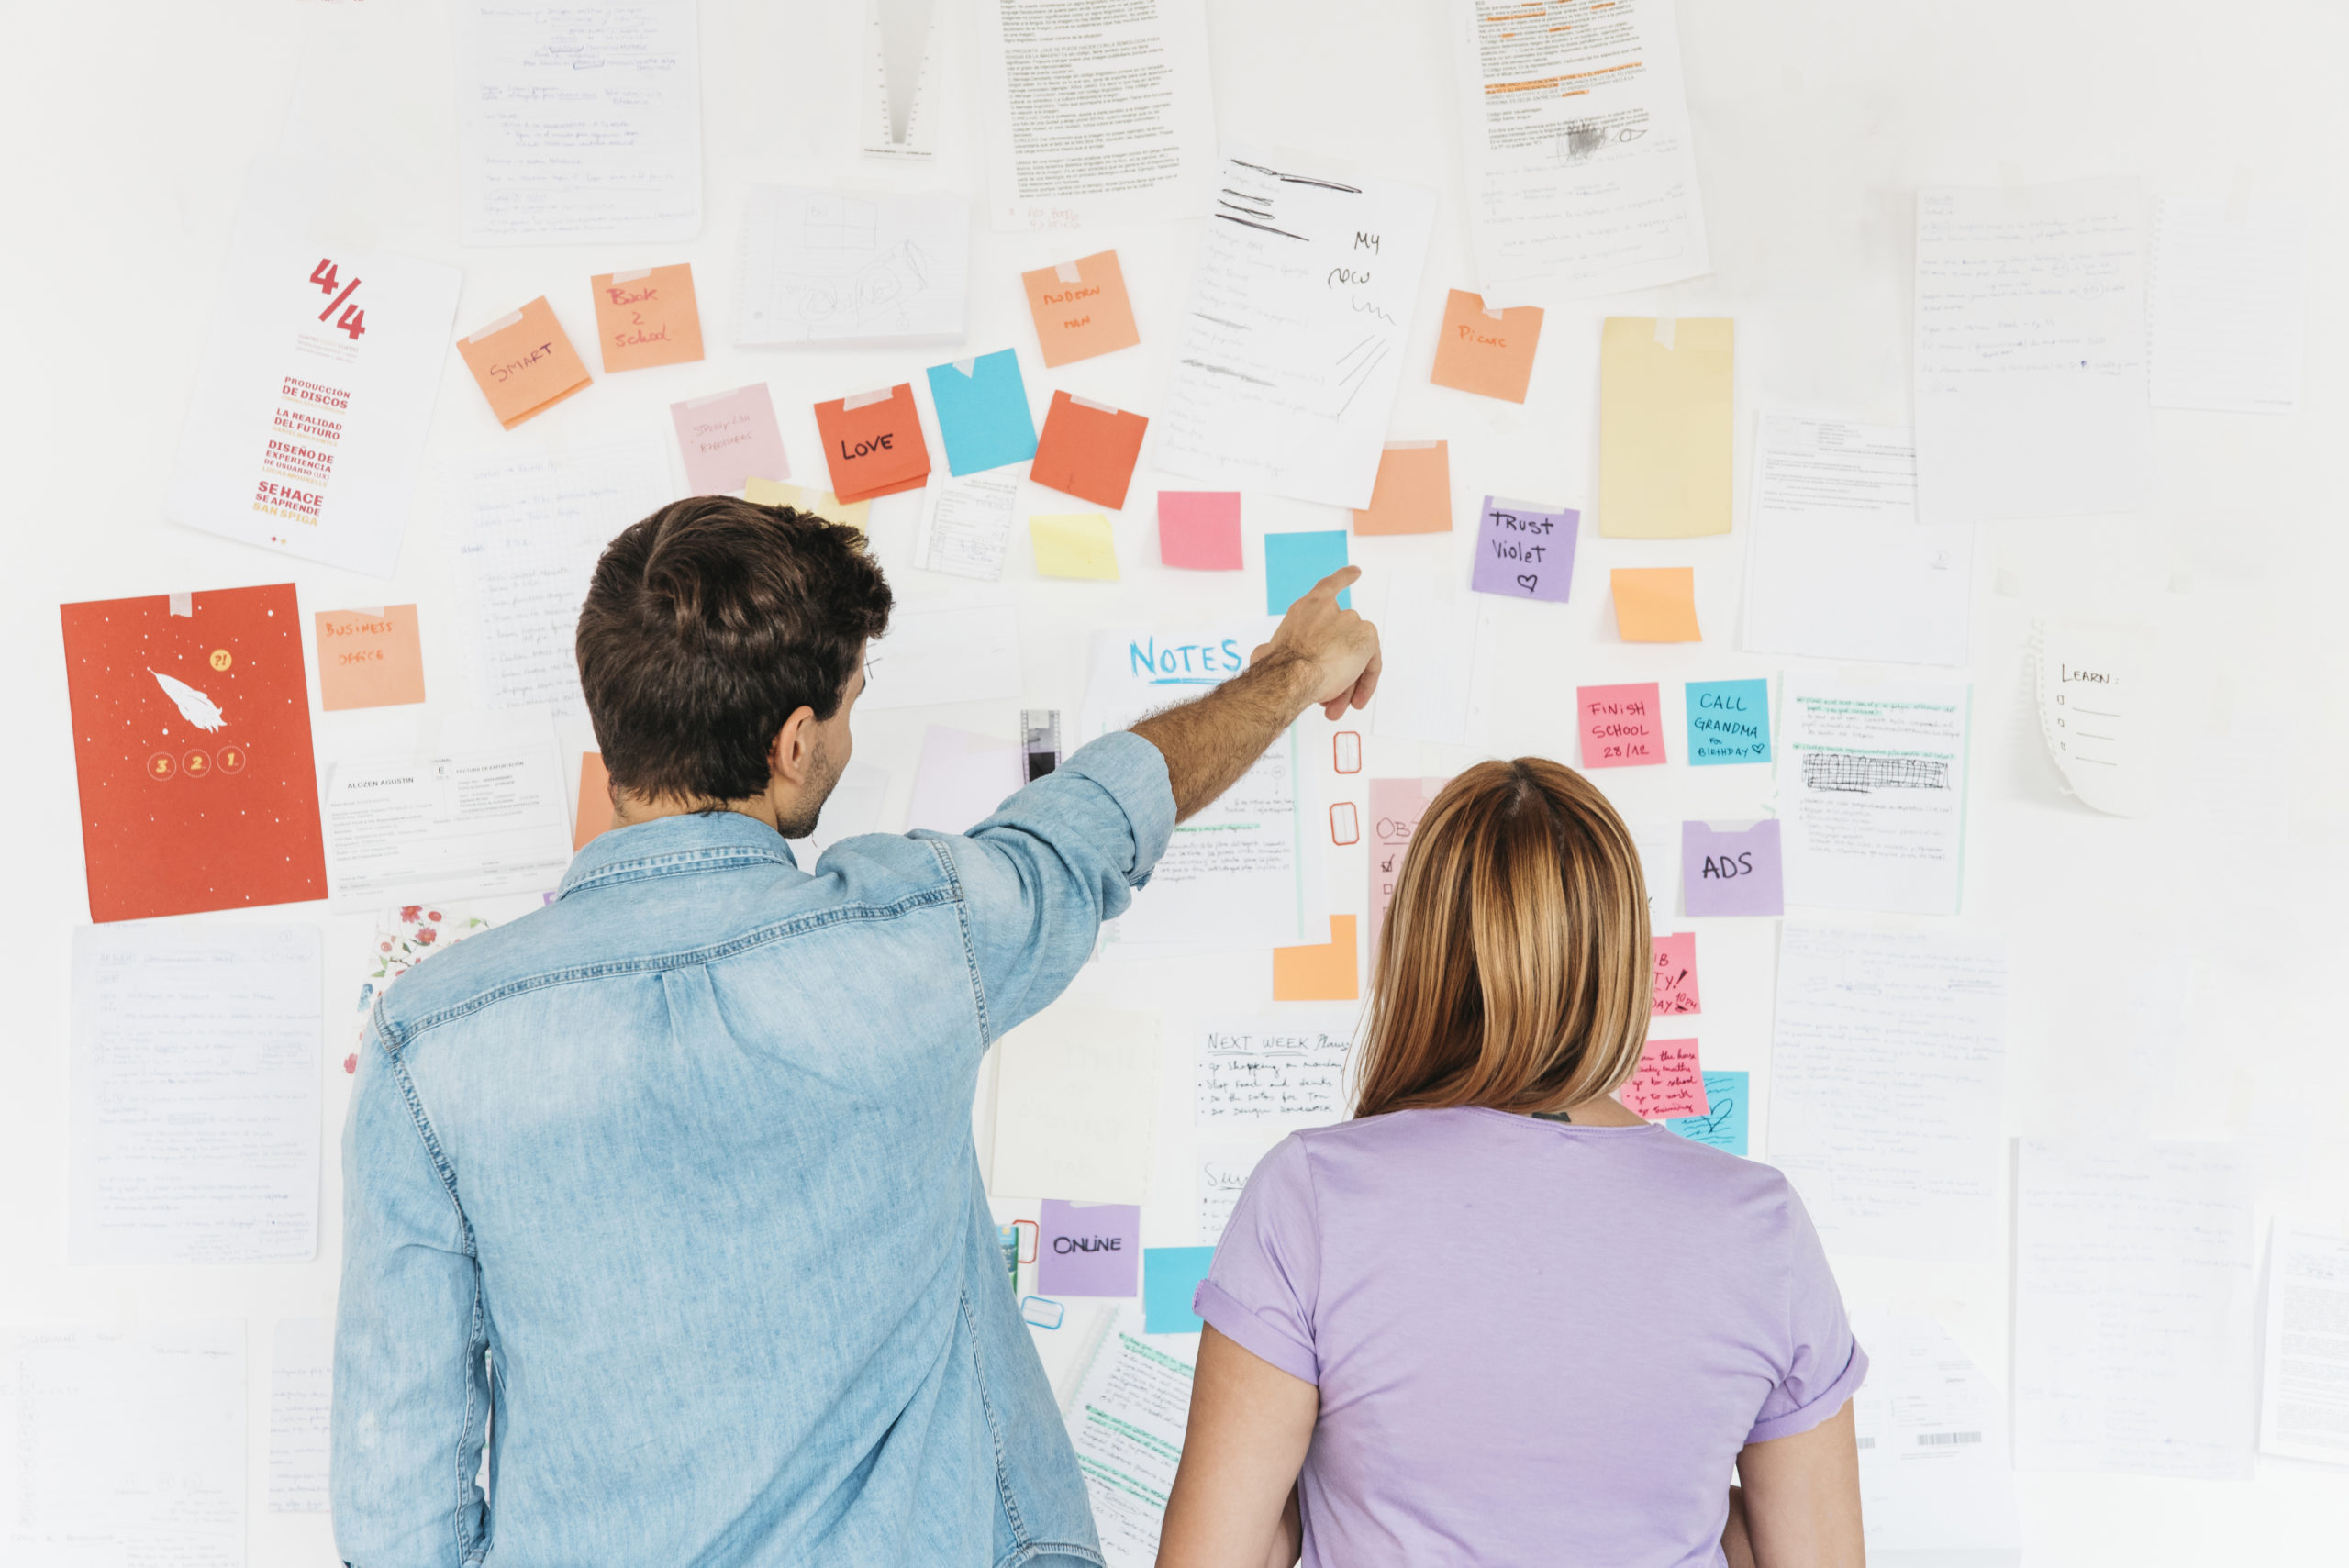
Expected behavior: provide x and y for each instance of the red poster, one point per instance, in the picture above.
(191, 743)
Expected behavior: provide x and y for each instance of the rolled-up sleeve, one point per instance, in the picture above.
(1821, 1364)
(1056, 860)
(1261, 1290)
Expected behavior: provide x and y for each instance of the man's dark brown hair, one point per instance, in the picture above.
(707, 625)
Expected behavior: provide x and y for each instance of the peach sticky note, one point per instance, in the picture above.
(1656, 604)
(873, 443)
(369, 658)
(820, 502)
(1088, 449)
(1491, 356)
(524, 363)
(1668, 1082)
(1326, 972)
(1073, 544)
(1413, 495)
(1676, 975)
(1081, 308)
(592, 810)
(1664, 426)
(647, 318)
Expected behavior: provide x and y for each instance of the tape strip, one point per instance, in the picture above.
(1411, 446)
(1667, 330)
(1492, 312)
(1088, 403)
(713, 397)
(629, 277)
(494, 327)
(183, 605)
(867, 399)
(968, 367)
(1066, 272)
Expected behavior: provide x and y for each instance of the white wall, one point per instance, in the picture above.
(130, 129)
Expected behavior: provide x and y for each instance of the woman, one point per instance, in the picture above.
(1497, 1317)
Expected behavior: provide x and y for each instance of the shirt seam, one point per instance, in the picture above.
(970, 948)
(673, 863)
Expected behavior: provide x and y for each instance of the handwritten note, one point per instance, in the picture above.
(1623, 727)
(1525, 550)
(1729, 722)
(1080, 308)
(1396, 807)
(1490, 353)
(1676, 975)
(369, 658)
(524, 363)
(1667, 1084)
(1089, 1249)
(729, 438)
(1198, 530)
(1224, 1171)
(2091, 710)
(301, 1402)
(1272, 1071)
(1413, 495)
(646, 318)
(1724, 1121)
(873, 443)
(1732, 871)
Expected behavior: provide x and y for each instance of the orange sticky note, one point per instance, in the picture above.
(1088, 449)
(1656, 604)
(1326, 972)
(524, 363)
(1081, 308)
(369, 658)
(873, 443)
(594, 811)
(1490, 356)
(1413, 495)
(647, 318)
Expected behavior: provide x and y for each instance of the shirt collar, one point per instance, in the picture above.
(668, 846)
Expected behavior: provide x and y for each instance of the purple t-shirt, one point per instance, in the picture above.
(1535, 1342)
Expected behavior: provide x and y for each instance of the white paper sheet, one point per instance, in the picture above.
(2031, 351)
(1581, 174)
(1224, 1168)
(2304, 1363)
(965, 653)
(1096, 111)
(195, 1105)
(1281, 1072)
(301, 1403)
(1937, 1487)
(851, 267)
(1439, 658)
(1126, 1417)
(2229, 314)
(2092, 695)
(1837, 565)
(306, 430)
(123, 1447)
(854, 807)
(1659, 847)
(478, 814)
(578, 122)
(1291, 348)
(1886, 1062)
(1872, 786)
(961, 779)
(966, 524)
(901, 47)
(1076, 1105)
(2132, 1308)
(530, 530)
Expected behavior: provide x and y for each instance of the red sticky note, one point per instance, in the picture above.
(1669, 1081)
(1623, 727)
(1199, 529)
(873, 443)
(192, 747)
(1088, 449)
(1413, 493)
(593, 814)
(1676, 975)
(524, 363)
(1491, 356)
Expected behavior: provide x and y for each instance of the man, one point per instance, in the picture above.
(673, 1178)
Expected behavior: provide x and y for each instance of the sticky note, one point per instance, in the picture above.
(1623, 727)
(591, 812)
(1525, 551)
(1081, 308)
(1656, 604)
(524, 363)
(1664, 428)
(1724, 1123)
(729, 439)
(647, 318)
(1490, 356)
(1729, 722)
(1326, 971)
(1294, 562)
(1073, 544)
(1668, 1082)
(1676, 975)
(983, 412)
(1088, 450)
(1170, 1278)
(369, 658)
(1732, 871)
(821, 503)
(1199, 529)
(1089, 1249)
(873, 443)
(1413, 493)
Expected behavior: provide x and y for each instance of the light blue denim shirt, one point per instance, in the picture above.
(675, 1177)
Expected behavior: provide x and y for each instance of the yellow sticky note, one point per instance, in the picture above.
(1656, 604)
(1073, 544)
(822, 503)
(1664, 425)
(1324, 972)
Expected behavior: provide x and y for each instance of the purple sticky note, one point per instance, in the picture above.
(1526, 553)
(1734, 871)
(729, 438)
(1091, 1249)
(1199, 529)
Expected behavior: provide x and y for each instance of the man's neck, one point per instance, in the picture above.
(630, 811)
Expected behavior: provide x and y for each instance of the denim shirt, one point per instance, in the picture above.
(675, 1179)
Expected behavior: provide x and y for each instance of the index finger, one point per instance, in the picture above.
(1338, 582)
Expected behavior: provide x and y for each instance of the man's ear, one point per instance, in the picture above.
(790, 758)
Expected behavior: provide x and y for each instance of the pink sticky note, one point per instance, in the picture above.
(1199, 529)
(1668, 1084)
(1093, 1249)
(729, 437)
(1623, 727)
(1676, 975)
(1396, 807)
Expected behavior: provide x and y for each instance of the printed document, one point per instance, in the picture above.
(1286, 1072)
(1872, 786)
(301, 1403)
(834, 267)
(2229, 314)
(2304, 1362)
(1937, 1488)
(967, 525)
(1126, 1417)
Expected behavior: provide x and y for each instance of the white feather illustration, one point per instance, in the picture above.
(194, 706)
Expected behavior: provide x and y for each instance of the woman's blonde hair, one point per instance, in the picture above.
(1514, 968)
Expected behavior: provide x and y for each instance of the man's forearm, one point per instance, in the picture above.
(1210, 742)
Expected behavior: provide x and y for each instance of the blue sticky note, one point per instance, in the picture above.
(1294, 562)
(1729, 722)
(983, 412)
(1724, 1123)
(1169, 1276)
